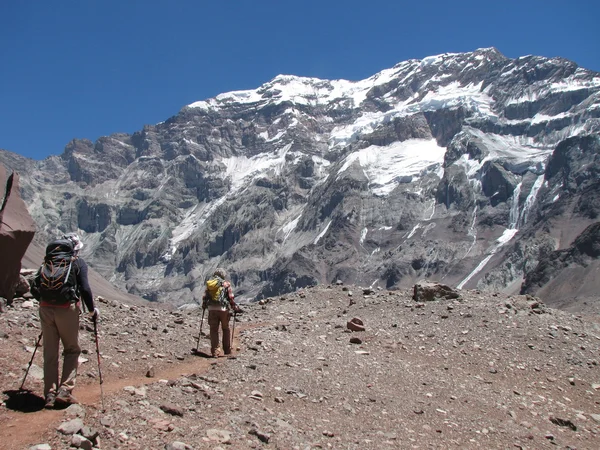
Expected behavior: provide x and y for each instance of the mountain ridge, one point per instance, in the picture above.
(435, 168)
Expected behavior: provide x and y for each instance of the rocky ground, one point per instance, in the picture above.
(480, 371)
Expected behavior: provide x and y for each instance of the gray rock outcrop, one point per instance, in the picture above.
(16, 232)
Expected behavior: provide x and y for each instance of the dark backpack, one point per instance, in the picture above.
(56, 280)
(216, 292)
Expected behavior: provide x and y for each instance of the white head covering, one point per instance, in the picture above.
(74, 238)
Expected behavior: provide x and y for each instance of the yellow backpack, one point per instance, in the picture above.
(216, 292)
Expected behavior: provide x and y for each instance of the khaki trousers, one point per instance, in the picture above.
(216, 318)
(60, 325)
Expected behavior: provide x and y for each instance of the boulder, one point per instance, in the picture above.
(426, 291)
(17, 229)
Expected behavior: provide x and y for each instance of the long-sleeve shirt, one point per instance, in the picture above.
(84, 285)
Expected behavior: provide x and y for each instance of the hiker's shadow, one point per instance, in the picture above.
(201, 353)
(23, 400)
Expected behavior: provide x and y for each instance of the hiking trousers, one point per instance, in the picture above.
(60, 325)
(216, 318)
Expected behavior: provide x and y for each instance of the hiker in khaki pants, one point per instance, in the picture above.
(60, 324)
(218, 298)
(59, 314)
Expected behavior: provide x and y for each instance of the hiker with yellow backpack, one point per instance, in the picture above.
(219, 300)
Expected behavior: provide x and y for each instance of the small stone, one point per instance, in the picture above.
(75, 411)
(174, 410)
(256, 394)
(70, 427)
(177, 446)
(162, 425)
(106, 421)
(355, 324)
(263, 437)
(91, 434)
(563, 423)
(140, 392)
(79, 441)
(221, 436)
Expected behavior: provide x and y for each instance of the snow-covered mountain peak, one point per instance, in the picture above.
(439, 73)
(427, 169)
(310, 90)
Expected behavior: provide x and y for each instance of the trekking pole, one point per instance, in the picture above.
(95, 319)
(233, 327)
(200, 333)
(31, 361)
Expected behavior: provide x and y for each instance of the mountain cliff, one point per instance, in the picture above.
(473, 169)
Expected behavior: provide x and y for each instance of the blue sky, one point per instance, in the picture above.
(89, 68)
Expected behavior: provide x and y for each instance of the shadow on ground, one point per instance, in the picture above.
(23, 400)
(201, 353)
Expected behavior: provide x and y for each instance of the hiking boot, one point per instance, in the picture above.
(64, 397)
(50, 399)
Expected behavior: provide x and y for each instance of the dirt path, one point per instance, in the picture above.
(20, 430)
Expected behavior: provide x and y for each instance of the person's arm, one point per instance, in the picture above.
(84, 285)
(230, 296)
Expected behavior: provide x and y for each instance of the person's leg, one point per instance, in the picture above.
(50, 340)
(226, 334)
(67, 321)
(213, 323)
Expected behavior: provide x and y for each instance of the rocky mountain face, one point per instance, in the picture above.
(472, 169)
